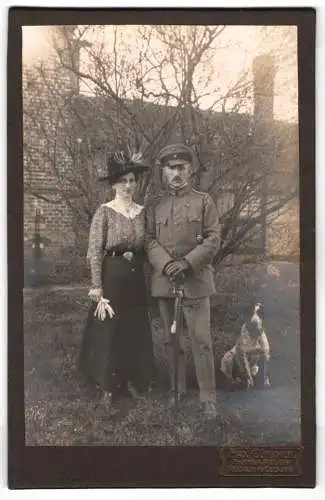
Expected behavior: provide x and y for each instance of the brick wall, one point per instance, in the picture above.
(45, 156)
(55, 227)
(45, 161)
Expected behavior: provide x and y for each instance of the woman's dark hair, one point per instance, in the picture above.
(114, 179)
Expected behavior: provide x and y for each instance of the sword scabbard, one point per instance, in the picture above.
(176, 331)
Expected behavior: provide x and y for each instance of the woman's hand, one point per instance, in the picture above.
(95, 294)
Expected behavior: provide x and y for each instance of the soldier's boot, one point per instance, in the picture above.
(209, 409)
(104, 408)
(172, 399)
(133, 392)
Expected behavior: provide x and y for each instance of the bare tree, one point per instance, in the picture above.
(145, 91)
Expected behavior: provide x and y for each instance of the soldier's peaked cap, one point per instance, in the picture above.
(173, 153)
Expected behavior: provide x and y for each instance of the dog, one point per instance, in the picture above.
(250, 355)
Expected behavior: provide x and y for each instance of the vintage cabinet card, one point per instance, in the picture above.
(161, 248)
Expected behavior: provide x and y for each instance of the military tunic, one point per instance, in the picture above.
(184, 224)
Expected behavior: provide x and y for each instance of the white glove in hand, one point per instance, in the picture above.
(104, 306)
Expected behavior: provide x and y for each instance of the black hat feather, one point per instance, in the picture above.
(122, 162)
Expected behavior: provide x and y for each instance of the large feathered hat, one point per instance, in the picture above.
(122, 162)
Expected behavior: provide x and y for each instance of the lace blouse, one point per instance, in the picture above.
(111, 230)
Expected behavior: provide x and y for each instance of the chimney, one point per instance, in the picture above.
(69, 48)
(264, 73)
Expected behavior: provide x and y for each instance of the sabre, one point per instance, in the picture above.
(176, 327)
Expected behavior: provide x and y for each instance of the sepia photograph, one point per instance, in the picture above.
(161, 239)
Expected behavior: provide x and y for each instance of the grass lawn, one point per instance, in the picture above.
(60, 410)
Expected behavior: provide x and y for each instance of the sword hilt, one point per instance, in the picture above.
(178, 287)
(177, 292)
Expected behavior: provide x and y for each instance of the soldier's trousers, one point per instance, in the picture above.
(197, 320)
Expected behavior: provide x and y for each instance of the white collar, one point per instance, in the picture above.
(133, 212)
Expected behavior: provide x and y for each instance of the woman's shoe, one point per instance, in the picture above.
(133, 391)
(105, 405)
(107, 399)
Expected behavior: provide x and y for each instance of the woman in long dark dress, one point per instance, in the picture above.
(117, 351)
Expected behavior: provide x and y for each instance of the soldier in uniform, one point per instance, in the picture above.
(182, 237)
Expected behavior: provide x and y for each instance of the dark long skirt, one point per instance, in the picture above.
(119, 350)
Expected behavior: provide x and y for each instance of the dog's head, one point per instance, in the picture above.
(256, 311)
(259, 311)
(254, 320)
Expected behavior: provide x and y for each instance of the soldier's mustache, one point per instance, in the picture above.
(177, 179)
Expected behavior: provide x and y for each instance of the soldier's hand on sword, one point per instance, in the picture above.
(176, 267)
